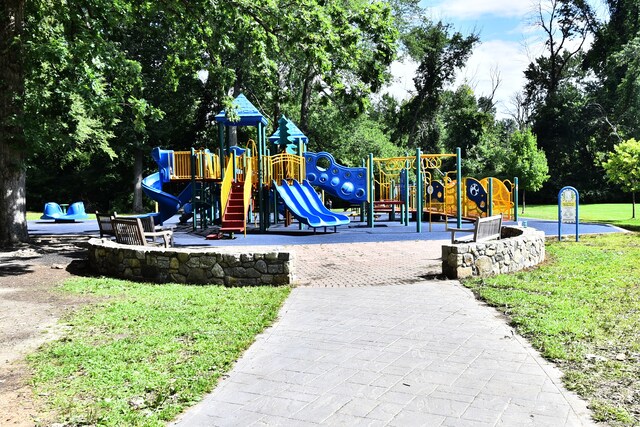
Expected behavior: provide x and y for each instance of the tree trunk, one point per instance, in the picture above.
(137, 181)
(633, 203)
(524, 203)
(13, 222)
(305, 103)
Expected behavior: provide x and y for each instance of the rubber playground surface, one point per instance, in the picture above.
(355, 232)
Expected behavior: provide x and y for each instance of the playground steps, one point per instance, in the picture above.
(387, 205)
(233, 219)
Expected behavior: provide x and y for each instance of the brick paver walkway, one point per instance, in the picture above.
(366, 264)
(419, 353)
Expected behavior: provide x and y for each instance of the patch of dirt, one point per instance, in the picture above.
(30, 309)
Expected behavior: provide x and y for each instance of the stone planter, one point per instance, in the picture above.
(222, 266)
(519, 248)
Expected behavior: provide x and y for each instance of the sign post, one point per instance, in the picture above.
(568, 209)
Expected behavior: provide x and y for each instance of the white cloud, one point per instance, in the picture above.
(509, 59)
(474, 9)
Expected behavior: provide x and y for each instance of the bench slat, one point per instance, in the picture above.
(487, 228)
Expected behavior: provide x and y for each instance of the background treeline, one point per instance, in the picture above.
(105, 81)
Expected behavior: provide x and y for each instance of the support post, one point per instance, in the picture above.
(221, 147)
(407, 192)
(363, 204)
(194, 194)
(261, 205)
(459, 187)
(392, 195)
(515, 198)
(419, 207)
(371, 191)
(490, 198)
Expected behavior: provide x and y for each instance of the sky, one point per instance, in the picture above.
(509, 41)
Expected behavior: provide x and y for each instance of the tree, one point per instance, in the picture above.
(623, 168)
(439, 55)
(13, 223)
(556, 98)
(527, 162)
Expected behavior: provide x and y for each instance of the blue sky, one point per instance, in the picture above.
(508, 43)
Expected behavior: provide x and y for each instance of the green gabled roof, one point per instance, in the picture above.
(294, 132)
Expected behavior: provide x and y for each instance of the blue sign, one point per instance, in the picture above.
(568, 209)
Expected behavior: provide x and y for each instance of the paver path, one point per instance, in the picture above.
(366, 264)
(426, 353)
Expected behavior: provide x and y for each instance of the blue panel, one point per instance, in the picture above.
(346, 183)
(477, 193)
(438, 191)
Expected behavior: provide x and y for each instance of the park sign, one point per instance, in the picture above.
(568, 209)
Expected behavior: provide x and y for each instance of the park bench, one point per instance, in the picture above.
(104, 223)
(487, 228)
(130, 231)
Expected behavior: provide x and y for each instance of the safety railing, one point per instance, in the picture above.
(247, 191)
(207, 165)
(226, 185)
(284, 166)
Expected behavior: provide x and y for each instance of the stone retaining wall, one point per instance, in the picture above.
(197, 266)
(518, 249)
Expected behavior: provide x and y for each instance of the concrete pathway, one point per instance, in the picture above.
(410, 352)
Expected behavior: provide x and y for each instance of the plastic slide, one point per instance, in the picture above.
(307, 207)
(314, 201)
(168, 204)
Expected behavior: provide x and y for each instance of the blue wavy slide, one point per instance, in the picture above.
(306, 206)
(168, 204)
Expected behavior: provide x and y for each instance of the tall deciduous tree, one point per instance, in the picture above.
(623, 168)
(439, 55)
(527, 162)
(13, 224)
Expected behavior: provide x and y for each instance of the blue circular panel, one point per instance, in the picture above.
(347, 188)
(335, 181)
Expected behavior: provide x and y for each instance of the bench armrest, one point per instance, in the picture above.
(459, 230)
(167, 236)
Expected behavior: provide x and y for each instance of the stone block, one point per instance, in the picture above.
(484, 265)
(217, 271)
(275, 269)
(463, 272)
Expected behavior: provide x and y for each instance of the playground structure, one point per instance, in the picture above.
(56, 212)
(417, 183)
(228, 186)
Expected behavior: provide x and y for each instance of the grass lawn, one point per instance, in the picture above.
(581, 309)
(144, 352)
(611, 213)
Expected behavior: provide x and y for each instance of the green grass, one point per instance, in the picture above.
(611, 213)
(33, 216)
(144, 352)
(581, 309)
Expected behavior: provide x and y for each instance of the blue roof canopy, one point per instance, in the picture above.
(294, 132)
(249, 115)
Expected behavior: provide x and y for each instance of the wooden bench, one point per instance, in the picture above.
(104, 223)
(130, 231)
(488, 228)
